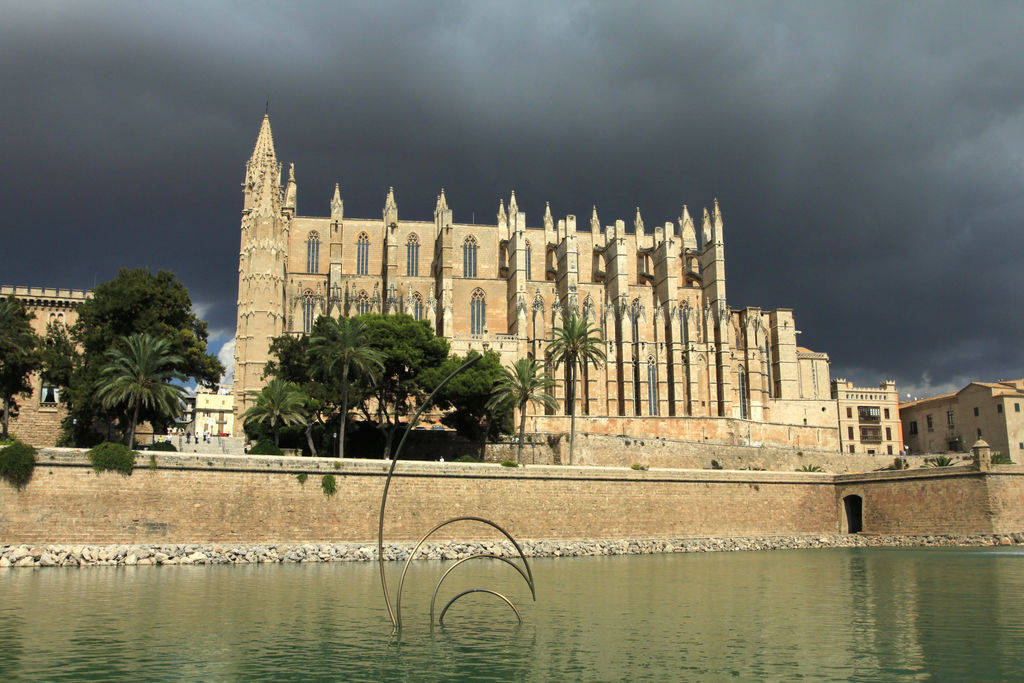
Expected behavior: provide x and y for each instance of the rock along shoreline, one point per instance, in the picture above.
(35, 556)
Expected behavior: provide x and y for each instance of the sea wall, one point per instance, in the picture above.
(179, 498)
(185, 498)
(950, 500)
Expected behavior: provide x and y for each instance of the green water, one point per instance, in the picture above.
(859, 614)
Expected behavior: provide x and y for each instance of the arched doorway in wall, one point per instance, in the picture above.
(853, 505)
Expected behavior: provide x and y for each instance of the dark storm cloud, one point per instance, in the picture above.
(868, 157)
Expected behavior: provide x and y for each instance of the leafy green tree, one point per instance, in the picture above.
(576, 344)
(341, 345)
(474, 415)
(290, 361)
(135, 302)
(19, 355)
(140, 376)
(280, 403)
(409, 348)
(520, 385)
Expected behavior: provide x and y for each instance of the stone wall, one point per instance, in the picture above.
(178, 498)
(187, 498)
(953, 499)
(717, 430)
(37, 425)
(623, 451)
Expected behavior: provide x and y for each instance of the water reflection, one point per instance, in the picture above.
(834, 614)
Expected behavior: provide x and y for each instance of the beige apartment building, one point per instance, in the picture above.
(953, 422)
(869, 418)
(675, 347)
(41, 412)
(214, 413)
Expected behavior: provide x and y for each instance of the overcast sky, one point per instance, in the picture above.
(868, 157)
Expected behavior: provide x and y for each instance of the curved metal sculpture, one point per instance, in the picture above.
(480, 590)
(396, 613)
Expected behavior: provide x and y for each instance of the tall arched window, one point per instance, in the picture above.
(308, 311)
(417, 306)
(652, 386)
(529, 270)
(477, 313)
(469, 257)
(313, 252)
(362, 254)
(768, 363)
(412, 256)
(741, 385)
(638, 398)
(362, 303)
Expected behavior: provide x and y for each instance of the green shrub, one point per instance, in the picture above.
(162, 446)
(112, 457)
(466, 458)
(302, 477)
(17, 460)
(328, 484)
(265, 447)
(509, 463)
(810, 468)
(939, 461)
(1000, 459)
(337, 465)
(638, 466)
(152, 462)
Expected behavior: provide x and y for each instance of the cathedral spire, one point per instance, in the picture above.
(292, 190)
(686, 229)
(705, 229)
(718, 222)
(390, 207)
(638, 223)
(337, 206)
(442, 203)
(502, 216)
(595, 223)
(263, 174)
(264, 150)
(513, 207)
(549, 221)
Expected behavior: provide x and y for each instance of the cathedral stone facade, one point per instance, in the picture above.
(675, 348)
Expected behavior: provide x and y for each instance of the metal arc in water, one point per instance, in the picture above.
(508, 602)
(398, 598)
(433, 598)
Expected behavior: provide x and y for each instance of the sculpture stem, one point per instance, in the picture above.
(387, 484)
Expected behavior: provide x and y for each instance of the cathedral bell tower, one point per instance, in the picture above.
(262, 263)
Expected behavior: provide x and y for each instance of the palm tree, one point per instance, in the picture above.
(280, 403)
(344, 344)
(524, 383)
(140, 377)
(18, 353)
(576, 344)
